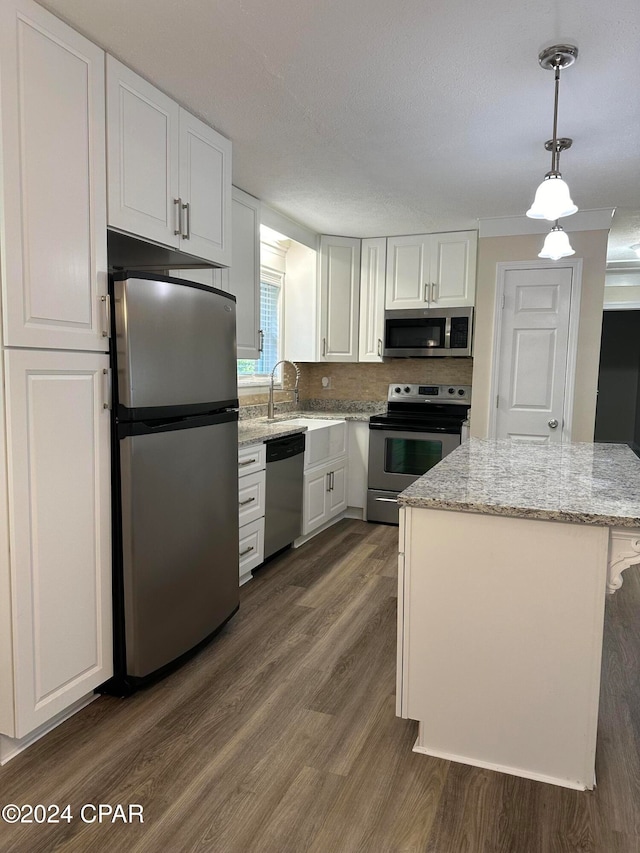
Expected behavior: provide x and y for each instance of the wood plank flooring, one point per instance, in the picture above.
(281, 737)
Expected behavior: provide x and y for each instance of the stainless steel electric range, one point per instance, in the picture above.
(422, 424)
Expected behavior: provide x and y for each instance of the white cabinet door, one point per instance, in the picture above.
(205, 190)
(54, 239)
(315, 499)
(358, 464)
(60, 532)
(339, 298)
(337, 500)
(244, 275)
(431, 270)
(408, 271)
(142, 145)
(372, 285)
(169, 173)
(453, 269)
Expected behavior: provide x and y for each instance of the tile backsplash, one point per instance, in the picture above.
(370, 381)
(359, 382)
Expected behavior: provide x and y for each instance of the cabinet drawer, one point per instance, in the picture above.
(251, 548)
(251, 459)
(251, 497)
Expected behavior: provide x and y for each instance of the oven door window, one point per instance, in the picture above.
(411, 455)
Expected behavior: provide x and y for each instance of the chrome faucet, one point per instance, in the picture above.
(296, 393)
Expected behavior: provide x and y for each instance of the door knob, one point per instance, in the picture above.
(553, 423)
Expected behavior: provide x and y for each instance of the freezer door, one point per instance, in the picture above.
(175, 345)
(180, 540)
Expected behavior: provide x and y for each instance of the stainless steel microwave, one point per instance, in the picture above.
(427, 332)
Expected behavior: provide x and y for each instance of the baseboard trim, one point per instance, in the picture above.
(10, 747)
(501, 768)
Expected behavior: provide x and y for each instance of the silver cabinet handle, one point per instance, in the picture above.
(380, 347)
(261, 343)
(187, 209)
(426, 292)
(247, 550)
(328, 489)
(434, 297)
(106, 378)
(247, 462)
(178, 208)
(106, 312)
(324, 347)
(553, 423)
(248, 501)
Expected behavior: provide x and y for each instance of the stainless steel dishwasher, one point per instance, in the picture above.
(283, 500)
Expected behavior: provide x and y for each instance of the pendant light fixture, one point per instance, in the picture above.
(552, 199)
(556, 244)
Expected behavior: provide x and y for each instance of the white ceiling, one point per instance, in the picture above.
(369, 118)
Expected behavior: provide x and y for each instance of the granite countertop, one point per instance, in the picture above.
(576, 482)
(253, 430)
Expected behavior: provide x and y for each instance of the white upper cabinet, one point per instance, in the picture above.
(339, 298)
(372, 286)
(453, 269)
(431, 270)
(142, 144)
(243, 279)
(205, 190)
(169, 173)
(53, 186)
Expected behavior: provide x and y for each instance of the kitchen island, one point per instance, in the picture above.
(507, 550)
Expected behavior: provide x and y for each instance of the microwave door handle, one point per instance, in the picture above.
(447, 333)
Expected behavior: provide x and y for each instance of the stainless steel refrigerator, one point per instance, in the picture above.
(175, 471)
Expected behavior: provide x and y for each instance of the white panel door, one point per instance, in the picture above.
(337, 488)
(205, 190)
(453, 269)
(408, 271)
(533, 354)
(340, 297)
(60, 532)
(372, 283)
(315, 500)
(244, 275)
(54, 241)
(142, 147)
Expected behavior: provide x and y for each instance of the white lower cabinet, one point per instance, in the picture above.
(325, 475)
(251, 548)
(59, 623)
(325, 494)
(251, 506)
(358, 464)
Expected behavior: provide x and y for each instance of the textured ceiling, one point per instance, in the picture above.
(371, 118)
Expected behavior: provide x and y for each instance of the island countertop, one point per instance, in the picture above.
(574, 482)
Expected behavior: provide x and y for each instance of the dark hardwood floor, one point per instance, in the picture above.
(281, 736)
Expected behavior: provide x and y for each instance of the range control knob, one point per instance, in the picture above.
(396, 390)
(461, 392)
(452, 390)
(407, 389)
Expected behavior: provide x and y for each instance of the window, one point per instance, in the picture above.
(252, 372)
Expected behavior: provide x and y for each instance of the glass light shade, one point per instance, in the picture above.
(552, 200)
(556, 245)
